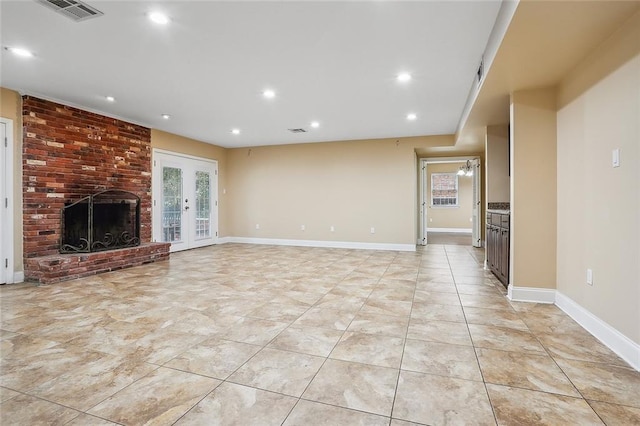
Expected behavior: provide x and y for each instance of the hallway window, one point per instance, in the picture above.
(444, 189)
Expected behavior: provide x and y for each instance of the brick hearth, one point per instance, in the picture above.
(68, 154)
(60, 267)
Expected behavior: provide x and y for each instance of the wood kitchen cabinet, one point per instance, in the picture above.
(497, 244)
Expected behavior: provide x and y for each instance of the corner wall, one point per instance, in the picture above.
(497, 164)
(533, 189)
(183, 145)
(599, 205)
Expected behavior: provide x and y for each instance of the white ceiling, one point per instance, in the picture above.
(334, 62)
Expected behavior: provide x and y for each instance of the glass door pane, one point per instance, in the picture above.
(185, 210)
(203, 205)
(171, 204)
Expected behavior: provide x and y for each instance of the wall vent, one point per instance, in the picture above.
(480, 72)
(72, 9)
(297, 130)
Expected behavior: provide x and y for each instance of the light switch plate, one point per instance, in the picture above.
(615, 157)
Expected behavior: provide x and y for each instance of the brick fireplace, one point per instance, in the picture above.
(69, 154)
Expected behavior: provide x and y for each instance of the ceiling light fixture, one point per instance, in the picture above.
(411, 116)
(159, 18)
(466, 170)
(235, 131)
(403, 77)
(269, 94)
(315, 124)
(110, 98)
(165, 116)
(18, 51)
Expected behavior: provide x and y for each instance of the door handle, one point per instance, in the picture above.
(186, 207)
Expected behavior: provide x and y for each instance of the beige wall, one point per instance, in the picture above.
(497, 164)
(450, 217)
(533, 189)
(11, 108)
(352, 186)
(182, 145)
(598, 205)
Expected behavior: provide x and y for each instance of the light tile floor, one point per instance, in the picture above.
(261, 335)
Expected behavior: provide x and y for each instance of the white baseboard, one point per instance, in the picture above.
(315, 243)
(16, 278)
(460, 230)
(531, 294)
(626, 348)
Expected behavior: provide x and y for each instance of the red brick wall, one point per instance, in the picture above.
(68, 154)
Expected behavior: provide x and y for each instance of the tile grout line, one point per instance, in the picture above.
(404, 345)
(486, 390)
(328, 355)
(535, 335)
(226, 380)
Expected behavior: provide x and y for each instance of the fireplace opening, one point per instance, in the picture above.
(106, 220)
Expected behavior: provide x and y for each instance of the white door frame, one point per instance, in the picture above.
(477, 204)
(423, 202)
(6, 198)
(156, 185)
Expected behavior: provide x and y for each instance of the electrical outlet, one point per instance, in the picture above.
(257, 226)
(373, 230)
(332, 229)
(589, 277)
(302, 227)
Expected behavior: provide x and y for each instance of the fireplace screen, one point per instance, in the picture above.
(104, 221)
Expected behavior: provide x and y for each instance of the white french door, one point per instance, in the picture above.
(3, 208)
(7, 273)
(476, 231)
(424, 199)
(185, 200)
(424, 194)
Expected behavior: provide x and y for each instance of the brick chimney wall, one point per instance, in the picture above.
(68, 154)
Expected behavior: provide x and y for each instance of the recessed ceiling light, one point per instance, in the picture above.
(269, 94)
(411, 116)
(20, 52)
(159, 18)
(110, 98)
(165, 116)
(403, 77)
(235, 131)
(315, 124)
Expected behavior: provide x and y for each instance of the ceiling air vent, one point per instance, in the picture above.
(297, 130)
(72, 9)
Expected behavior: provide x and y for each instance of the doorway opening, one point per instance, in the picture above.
(185, 200)
(449, 201)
